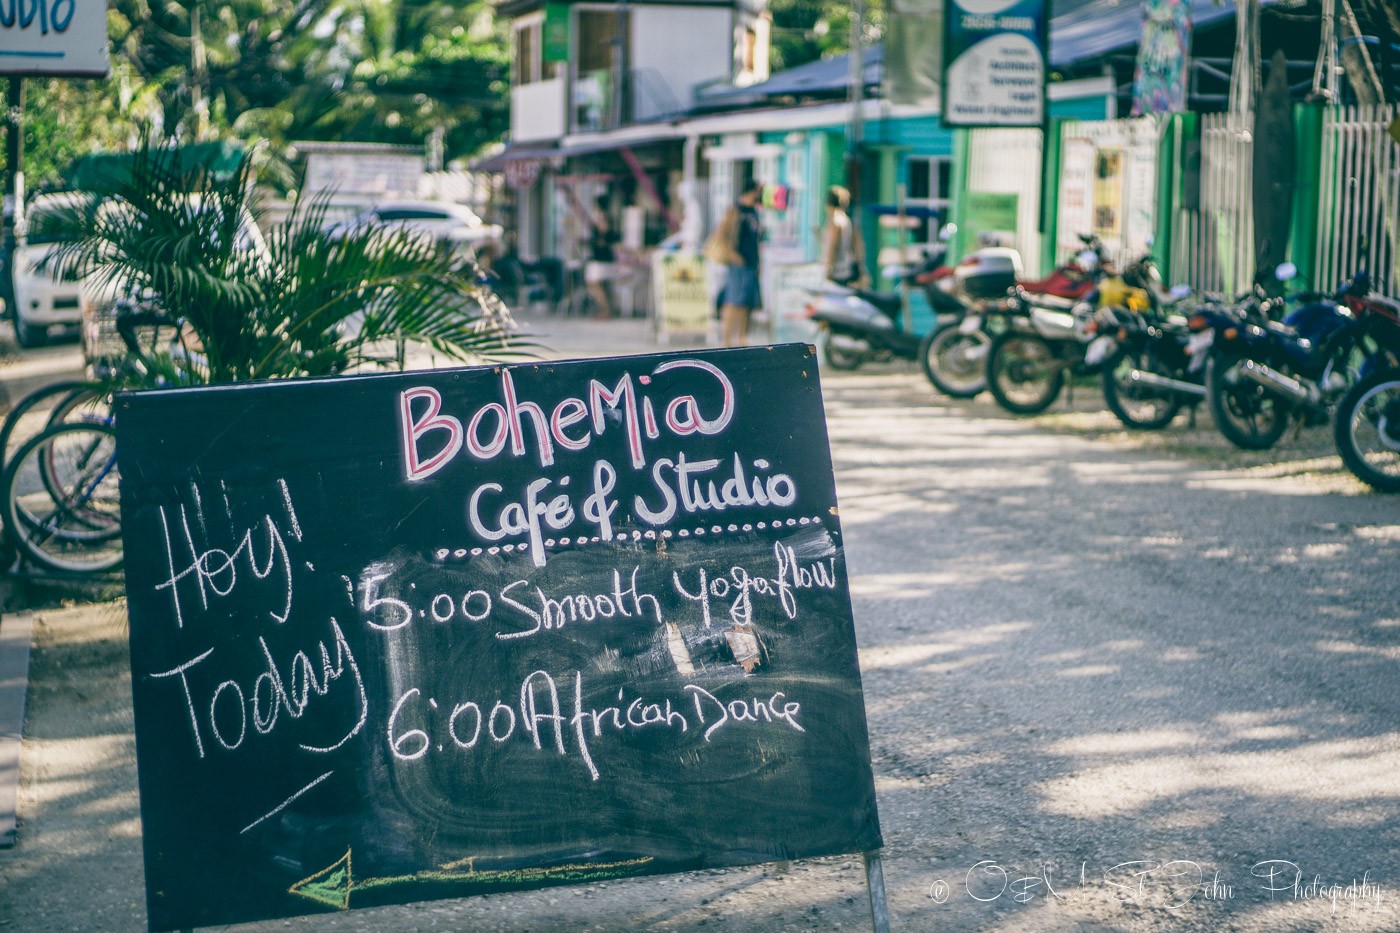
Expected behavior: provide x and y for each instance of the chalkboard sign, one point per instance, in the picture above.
(436, 634)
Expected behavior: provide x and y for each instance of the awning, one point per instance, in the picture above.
(106, 172)
(541, 151)
(499, 161)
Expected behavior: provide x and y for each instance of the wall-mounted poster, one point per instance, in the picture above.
(994, 55)
(1108, 194)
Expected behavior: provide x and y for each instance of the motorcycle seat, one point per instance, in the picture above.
(1052, 302)
(888, 302)
(1058, 285)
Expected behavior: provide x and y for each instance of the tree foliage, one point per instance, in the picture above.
(356, 70)
(806, 30)
(305, 305)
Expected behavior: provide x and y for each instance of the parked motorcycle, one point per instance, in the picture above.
(1263, 374)
(954, 354)
(1026, 365)
(1148, 376)
(1367, 430)
(1048, 337)
(857, 326)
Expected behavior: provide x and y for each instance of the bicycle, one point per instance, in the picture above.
(61, 502)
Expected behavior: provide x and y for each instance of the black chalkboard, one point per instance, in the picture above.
(435, 634)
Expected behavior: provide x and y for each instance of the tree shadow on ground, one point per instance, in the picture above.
(1072, 664)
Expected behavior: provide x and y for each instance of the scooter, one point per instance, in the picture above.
(857, 326)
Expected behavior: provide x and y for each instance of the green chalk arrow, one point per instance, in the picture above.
(333, 885)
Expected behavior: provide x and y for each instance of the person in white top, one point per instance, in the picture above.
(843, 250)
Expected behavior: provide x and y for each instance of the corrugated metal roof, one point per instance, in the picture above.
(1079, 30)
(1083, 29)
(819, 78)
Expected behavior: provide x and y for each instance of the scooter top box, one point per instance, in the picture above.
(988, 273)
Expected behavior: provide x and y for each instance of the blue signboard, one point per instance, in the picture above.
(994, 54)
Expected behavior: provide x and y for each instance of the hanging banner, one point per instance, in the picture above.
(913, 52)
(994, 55)
(1159, 85)
(555, 44)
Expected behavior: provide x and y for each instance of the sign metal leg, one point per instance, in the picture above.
(875, 885)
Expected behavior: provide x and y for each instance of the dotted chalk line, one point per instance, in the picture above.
(697, 532)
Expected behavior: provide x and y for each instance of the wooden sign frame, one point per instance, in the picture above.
(434, 634)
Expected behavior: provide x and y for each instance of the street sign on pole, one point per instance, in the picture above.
(994, 55)
(55, 38)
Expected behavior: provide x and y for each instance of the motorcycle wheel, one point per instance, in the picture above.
(841, 353)
(1140, 407)
(1250, 416)
(955, 362)
(1367, 430)
(1023, 373)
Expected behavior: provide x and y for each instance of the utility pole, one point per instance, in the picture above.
(14, 184)
(198, 105)
(856, 130)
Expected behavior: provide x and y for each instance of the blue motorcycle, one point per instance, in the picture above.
(1262, 374)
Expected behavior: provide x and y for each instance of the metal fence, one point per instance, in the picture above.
(1358, 197)
(1214, 249)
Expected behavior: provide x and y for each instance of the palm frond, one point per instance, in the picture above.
(307, 304)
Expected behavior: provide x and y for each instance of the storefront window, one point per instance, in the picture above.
(929, 180)
(529, 64)
(602, 37)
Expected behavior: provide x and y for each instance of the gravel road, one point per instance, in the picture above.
(1114, 684)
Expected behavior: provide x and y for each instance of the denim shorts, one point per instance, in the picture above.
(741, 287)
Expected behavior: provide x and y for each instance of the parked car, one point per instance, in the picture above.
(102, 345)
(453, 225)
(46, 298)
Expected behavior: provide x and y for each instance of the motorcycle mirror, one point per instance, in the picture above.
(948, 232)
(1087, 259)
(1285, 271)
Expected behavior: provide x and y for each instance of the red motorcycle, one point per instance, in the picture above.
(978, 295)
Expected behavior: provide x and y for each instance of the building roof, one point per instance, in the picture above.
(822, 78)
(1080, 30)
(1087, 29)
(521, 7)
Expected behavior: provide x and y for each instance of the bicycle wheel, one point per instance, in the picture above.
(87, 404)
(27, 418)
(61, 499)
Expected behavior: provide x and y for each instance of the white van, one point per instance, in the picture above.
(46, 300)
